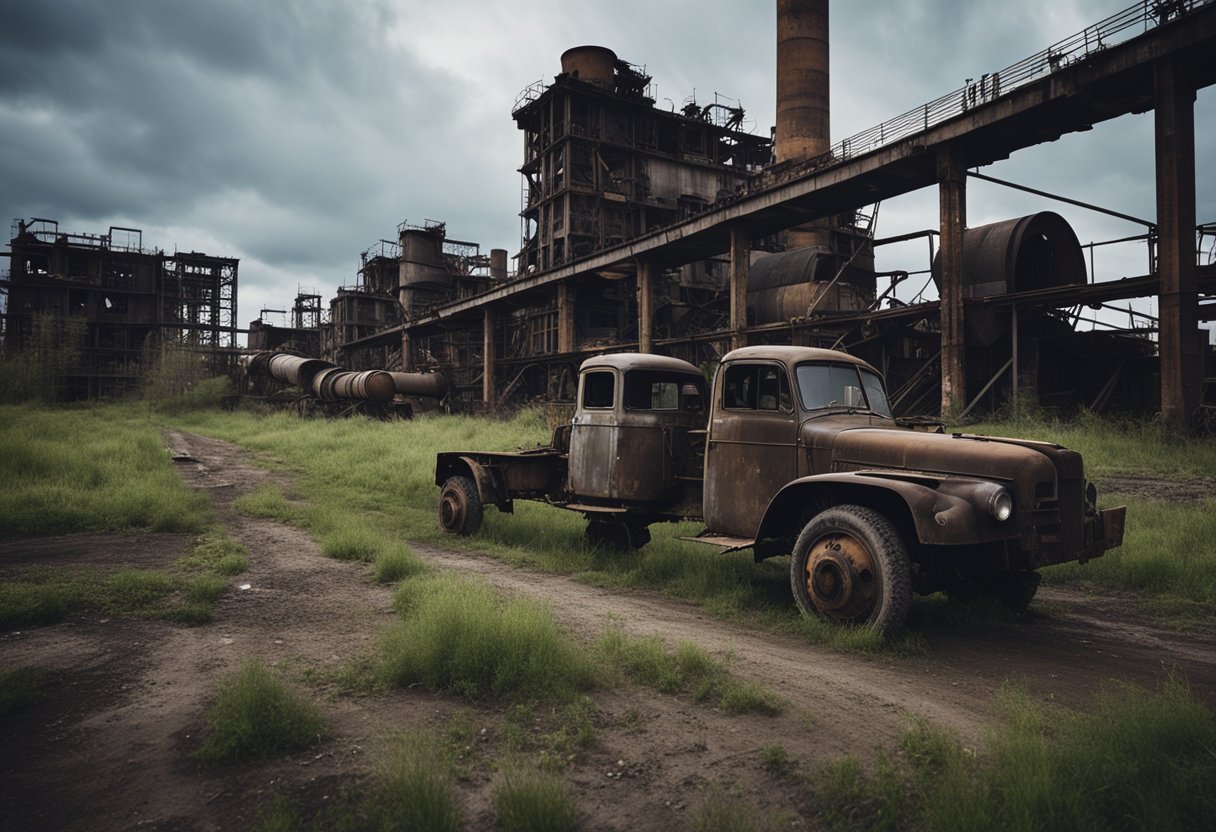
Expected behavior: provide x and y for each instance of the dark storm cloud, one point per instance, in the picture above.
(171, 112)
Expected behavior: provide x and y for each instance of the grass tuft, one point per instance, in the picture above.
(414, 791)
(687, 669)
(396, 564)
(457, 635)
(533, 801)
(255, 715)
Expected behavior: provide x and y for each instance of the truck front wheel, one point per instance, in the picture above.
(460, 508)
(850, 566)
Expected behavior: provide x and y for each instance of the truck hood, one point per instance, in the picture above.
(1038, 466)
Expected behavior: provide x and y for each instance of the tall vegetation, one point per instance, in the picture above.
(51, 352)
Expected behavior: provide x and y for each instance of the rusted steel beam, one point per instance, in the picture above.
(1178, 341)
(565, 317)
(952, 199)
(487, 358)
(645, 281)
(740, 264)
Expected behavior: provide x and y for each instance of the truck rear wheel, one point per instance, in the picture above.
(460, 508)
(850, 566)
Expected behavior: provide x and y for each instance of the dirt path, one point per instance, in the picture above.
(109, 746)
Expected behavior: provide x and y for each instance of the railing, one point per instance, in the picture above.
(1117, 28)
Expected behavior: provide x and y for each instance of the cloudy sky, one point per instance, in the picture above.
(293, 134)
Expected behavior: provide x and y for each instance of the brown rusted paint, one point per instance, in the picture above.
(769, 468)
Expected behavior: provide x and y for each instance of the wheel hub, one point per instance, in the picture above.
(840, 577)
(452, 509)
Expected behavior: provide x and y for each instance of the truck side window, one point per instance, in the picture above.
(599, 389)
(645, 390)
(757, 387)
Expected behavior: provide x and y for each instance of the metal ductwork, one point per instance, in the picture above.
(331, 382)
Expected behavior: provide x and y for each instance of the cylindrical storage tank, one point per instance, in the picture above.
(1038, 251)
(421, 263)
(498, 263)
(432, 385)
(787, 284)
(593, 64)
(803, 129)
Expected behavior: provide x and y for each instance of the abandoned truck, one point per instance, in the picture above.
(795, 451)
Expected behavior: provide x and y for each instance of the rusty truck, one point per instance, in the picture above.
(794, 451)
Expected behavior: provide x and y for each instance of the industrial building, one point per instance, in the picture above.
(118, 300)
(675, 232)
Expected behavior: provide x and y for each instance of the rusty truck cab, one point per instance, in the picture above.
(629, 439)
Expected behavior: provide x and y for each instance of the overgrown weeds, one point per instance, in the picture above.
(457, 635)
(528, 800)
(1135, 760)
(256, 715)
(98, 469)
(687, 669)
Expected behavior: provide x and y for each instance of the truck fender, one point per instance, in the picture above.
(489, 481)
(937, 511)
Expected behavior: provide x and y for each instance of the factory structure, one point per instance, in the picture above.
(114, 302)
(677, 231)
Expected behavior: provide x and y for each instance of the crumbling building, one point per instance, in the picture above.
(121, 300)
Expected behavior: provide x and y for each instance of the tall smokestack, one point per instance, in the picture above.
(803, 106)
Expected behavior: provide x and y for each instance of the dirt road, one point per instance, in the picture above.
(109, 745)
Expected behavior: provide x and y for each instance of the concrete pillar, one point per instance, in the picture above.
(487, 361)
(1178, 305)
(565, 317)
(952, 199)
(646, 272)
(740, 265)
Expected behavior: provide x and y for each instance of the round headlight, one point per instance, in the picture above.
(1000, 505)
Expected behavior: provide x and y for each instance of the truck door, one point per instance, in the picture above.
(752, 448)
(593, 435)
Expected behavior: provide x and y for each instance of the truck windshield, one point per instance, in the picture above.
(822, 386)
(650, 390)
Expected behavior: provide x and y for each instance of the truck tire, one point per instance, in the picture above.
(460, 508)
(850, 566)
(619, 536)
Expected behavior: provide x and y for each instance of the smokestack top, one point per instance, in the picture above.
(593, 64)
(803, 103)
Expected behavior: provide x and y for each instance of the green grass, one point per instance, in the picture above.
(457, 635)
(21, 687)
(1135, 760)
(43, 595)
(687, 669)
(96, 469)
(414, 789)
(395, 564)
(527, 800)
(216, 552)
(256, 715)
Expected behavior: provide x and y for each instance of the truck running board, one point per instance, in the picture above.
(729, 544)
